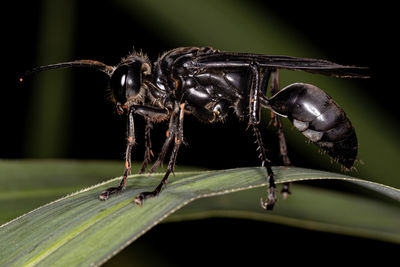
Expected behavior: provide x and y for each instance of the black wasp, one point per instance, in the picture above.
(208, 83)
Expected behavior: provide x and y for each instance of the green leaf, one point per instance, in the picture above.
(81, 230)
(28, 184)
(309, 208)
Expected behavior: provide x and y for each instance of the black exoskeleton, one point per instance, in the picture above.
(208, 83)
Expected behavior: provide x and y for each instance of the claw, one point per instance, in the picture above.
(141, 197)
(109, 191)
(285, 191)
(269, 203)
(139, 200)
(104, 195)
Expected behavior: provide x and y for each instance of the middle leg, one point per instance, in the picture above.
(170, 134)
(148, 153)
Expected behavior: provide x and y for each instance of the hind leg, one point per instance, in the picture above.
(256, 90)
(281, 135)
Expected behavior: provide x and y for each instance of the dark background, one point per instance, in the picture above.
(344, 32)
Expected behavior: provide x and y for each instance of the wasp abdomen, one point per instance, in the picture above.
(319, 118)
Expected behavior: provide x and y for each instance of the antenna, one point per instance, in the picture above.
(77, 63)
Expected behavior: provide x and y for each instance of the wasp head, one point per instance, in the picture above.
(126, 82)
(126, 79)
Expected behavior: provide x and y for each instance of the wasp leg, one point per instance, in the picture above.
(148, 153)
(130, 143)
(178, 139)
(150, 114)
(258, 80)
(269, 203)
(167, 142)
(281, 135)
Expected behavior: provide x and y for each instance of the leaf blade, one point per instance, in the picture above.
(86, 231)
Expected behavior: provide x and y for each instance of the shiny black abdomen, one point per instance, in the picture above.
(319, 118)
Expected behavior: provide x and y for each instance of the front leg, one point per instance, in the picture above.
(130, 143)
(151, 114)
(177, 134)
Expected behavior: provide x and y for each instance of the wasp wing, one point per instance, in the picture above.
(229, 59)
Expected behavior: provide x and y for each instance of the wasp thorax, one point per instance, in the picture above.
(126, 81)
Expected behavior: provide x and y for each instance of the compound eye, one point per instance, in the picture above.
(126, 81)
(118, 84)
(133, 79)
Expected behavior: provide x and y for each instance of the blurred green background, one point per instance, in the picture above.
(64, 113)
